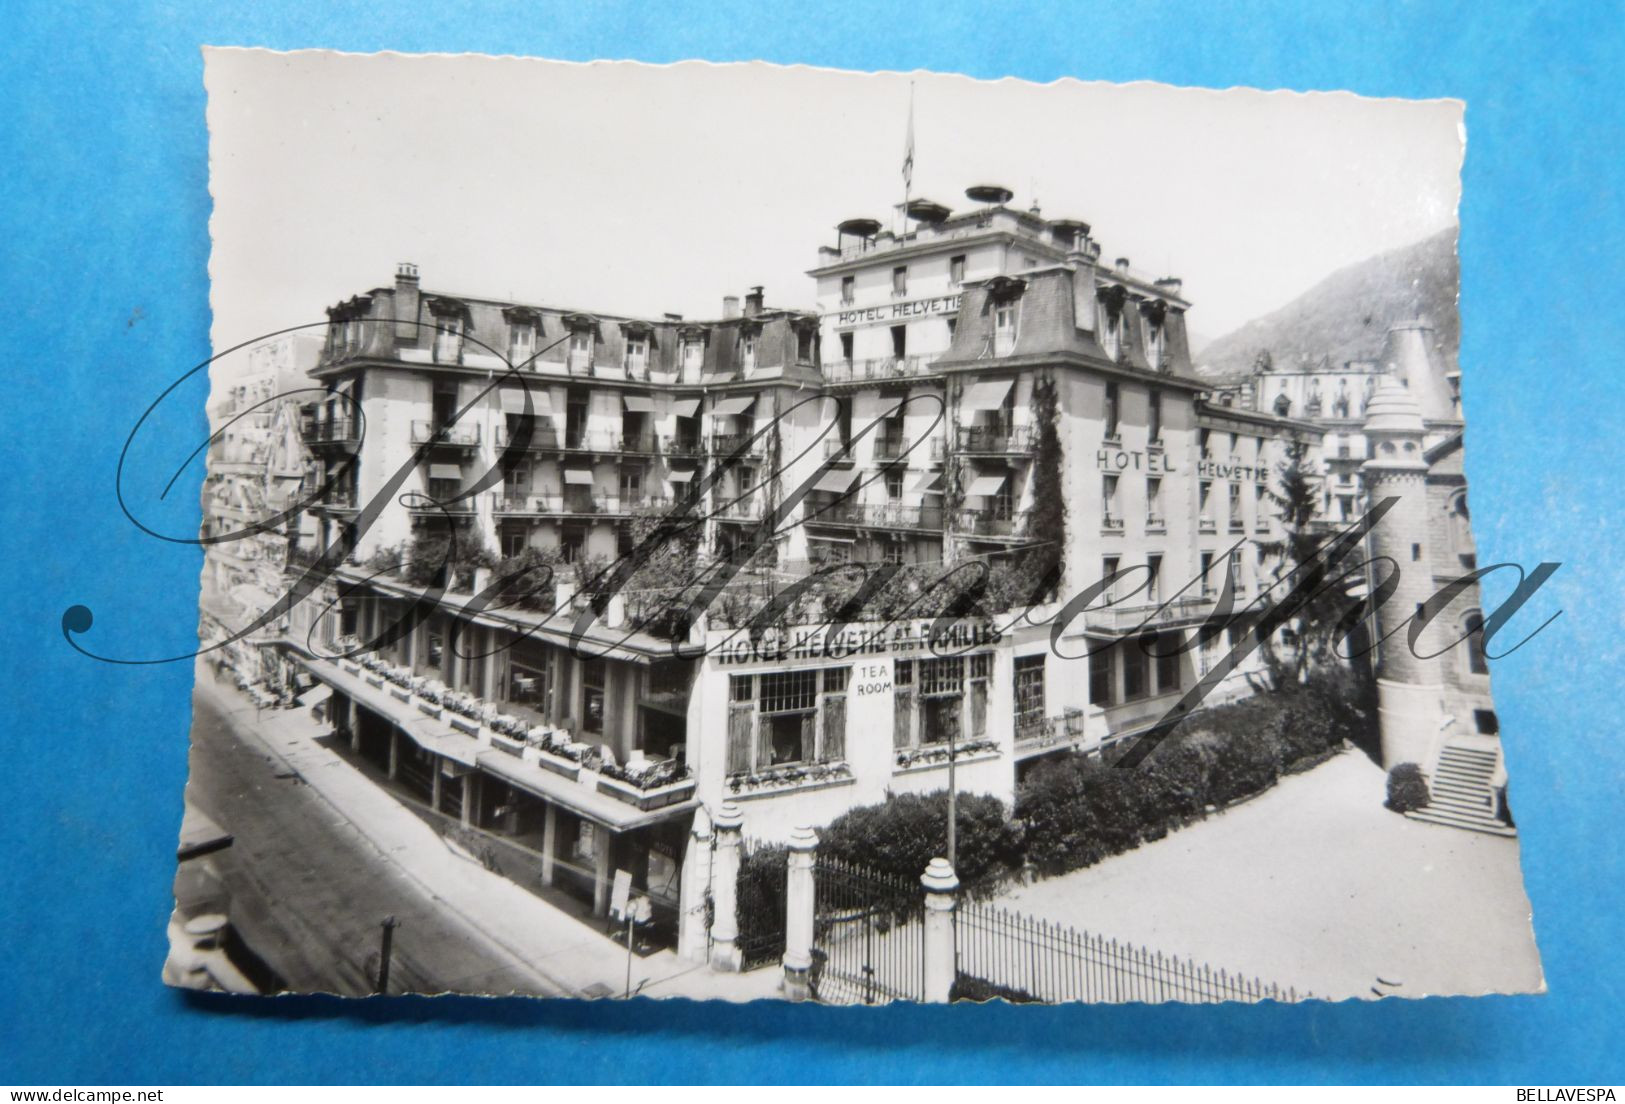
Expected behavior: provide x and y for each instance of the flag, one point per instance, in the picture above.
(908, 143)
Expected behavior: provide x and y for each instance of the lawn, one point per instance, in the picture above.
(1314, 884)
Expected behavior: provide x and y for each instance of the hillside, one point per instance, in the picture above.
(1346, 315)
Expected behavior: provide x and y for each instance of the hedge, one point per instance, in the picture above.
(1076, 810)
(1407, 788)
(901, 836)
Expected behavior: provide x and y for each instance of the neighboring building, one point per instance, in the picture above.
(946, 377)
(256, 470)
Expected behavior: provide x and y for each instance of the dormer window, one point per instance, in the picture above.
(747, 352)
(637, 353)
(521, 343)
(448, 347)
(581, 350)
(805, 336)
(1005, 319)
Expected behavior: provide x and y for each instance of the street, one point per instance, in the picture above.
(308, 891)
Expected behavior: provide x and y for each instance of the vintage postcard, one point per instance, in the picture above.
(750, 532)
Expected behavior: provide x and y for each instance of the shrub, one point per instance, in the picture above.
(901, 836)
(967, 988)
(761, 889)
(1407, 788)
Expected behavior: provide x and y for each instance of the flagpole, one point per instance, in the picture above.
(908, 162)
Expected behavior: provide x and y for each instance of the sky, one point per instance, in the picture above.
(637, 189)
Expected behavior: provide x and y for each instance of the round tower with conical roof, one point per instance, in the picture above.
(1410, 688)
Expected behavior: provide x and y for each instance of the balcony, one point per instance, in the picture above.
(749, 445)
(839, 452)
(639, 444)
(856, 515)
(744, 510)
(1148, 615)
(543, 437)
(928, 450)
(1207, 525)
(464, 436)
(878, 369)
(682, 446)
(1236, 525)
(509, 504)
(341, 433)
(994, 440)
(336, 501)
(990, 524)
(1110, 524)
(1036, 735)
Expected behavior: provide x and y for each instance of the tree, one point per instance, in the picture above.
(1306, 640)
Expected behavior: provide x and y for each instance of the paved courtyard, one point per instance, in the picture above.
(1315, 885)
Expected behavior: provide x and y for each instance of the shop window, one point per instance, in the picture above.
(1100, 676)
(1167, 663)
(592, 696)
(1134, 672)
(527, 685)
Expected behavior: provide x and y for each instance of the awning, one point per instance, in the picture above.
(446, 471)
(923, 481)
(836, 479)
(513, 401)
(985, 485)
(685, 408)
(582, 476)
(988, 395)
(730, 408)
(641, 404)
(680, 476)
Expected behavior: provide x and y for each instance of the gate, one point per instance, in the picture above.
(762, 900)
(868, 936)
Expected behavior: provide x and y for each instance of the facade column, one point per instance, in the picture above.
(798, 913)
(469, 797)
(394, 752)
(941, 887)
(550, 842)
(725, 889)
(436, 783)
(601, 838)
(694, 896)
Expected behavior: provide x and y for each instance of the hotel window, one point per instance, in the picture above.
(637, 353)
(747, 352)
(1202, 442)
(1153, 502)
(521, 344)
(1154, 419)
(1167, 662)
(1109, 415)
(1153, 584)
(1237, 582)
(631, 485)
(788, 721)
(1029, 696)
(528, 685)
(1208, 655)
(899, 280)
(1004, 328)
(1261, 516)
(894, 483)
(1207, 575)
(693, 355)
(956, 270)
(899, 341)
(1108, 569)
(804, 345)
(943, 688)
(1477, 661)
(1236, 521)
(448, 339)
(1135, 670)
(1204, 510)
(848, 290)
(580, 348)
(514, 541)
(953, 327)
(846, 347)
(1100, 675)
(1108, 500)
(572, 544)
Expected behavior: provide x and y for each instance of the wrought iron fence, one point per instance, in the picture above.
(868, 936)
(1003, 953)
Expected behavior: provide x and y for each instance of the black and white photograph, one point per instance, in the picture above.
(746, 532)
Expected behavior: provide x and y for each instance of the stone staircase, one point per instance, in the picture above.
(1461, 793)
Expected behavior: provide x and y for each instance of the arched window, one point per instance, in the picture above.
(1477, 662)
(1461, 534)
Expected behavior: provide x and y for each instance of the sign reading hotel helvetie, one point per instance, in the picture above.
(895, 312)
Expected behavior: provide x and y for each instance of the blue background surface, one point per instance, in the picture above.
(104, 203)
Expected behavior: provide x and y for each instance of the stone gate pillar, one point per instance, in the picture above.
(692, 926)
(798, 913)
(725, 889)
(941, 888)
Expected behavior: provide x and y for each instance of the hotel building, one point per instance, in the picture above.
(976, 392)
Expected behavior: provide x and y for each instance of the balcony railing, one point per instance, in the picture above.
(543, 437)
(995, 440)
(576, 504)
(986, 523)
(878, 368)
(678, 446)
(1149, 614)
(743, 510)
(641, 443)
(726, 444)
(1039, 733)
(464, 435)
(1207, 525)
(820, 511)
(337, 431)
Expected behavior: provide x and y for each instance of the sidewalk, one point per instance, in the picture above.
(564, 955)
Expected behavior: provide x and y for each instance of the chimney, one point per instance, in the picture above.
(1122, 266)
(406, 303)
(730, 307)
(753, 302)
